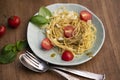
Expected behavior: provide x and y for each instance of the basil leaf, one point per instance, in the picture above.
(44, 12)
(39, 20)
(7, 48)
(21, 45)
(8, 57)
(9, 51)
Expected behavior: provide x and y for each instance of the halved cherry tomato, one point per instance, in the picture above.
(67, 55)
(46, 44)
(2, 30)
(85, 15)
(14, 21)
(68, 31)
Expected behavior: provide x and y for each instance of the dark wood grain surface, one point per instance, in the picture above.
(107, 61)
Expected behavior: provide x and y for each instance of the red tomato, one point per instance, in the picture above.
(85, 15)
(14, 21)
(67, 55)
(2, 30)
(46, 44)
(68, 31)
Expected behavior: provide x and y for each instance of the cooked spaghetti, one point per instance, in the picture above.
(83, 36)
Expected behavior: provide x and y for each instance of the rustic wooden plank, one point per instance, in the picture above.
(106, 61)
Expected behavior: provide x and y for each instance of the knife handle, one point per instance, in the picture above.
(85, 74)
(65, 75)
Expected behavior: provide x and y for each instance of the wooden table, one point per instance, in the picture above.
(107, 61)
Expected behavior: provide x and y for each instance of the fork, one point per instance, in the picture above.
(31, 62)
(41, 65)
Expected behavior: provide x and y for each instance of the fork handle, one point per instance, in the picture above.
(86, 74)
(65, 75)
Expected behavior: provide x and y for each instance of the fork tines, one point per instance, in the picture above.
(32, 59)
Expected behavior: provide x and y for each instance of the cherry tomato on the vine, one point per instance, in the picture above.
(67, 55)
(85, 15)
(14, 21)
(2, 30)
(68, 31)
(46, 44)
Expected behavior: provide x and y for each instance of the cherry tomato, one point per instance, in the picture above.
(68, 31)
(85, 15)
(67, 55)
(46, 44)
(14, 21)
(2, 30)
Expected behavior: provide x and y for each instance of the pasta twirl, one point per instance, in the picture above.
(84, 33)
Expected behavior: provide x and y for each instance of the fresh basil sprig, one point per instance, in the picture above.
(44, 12)
(39, 20)
(42, 18)
(20, 45)
(9, 51)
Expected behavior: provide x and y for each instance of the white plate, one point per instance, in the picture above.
(35, 36)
